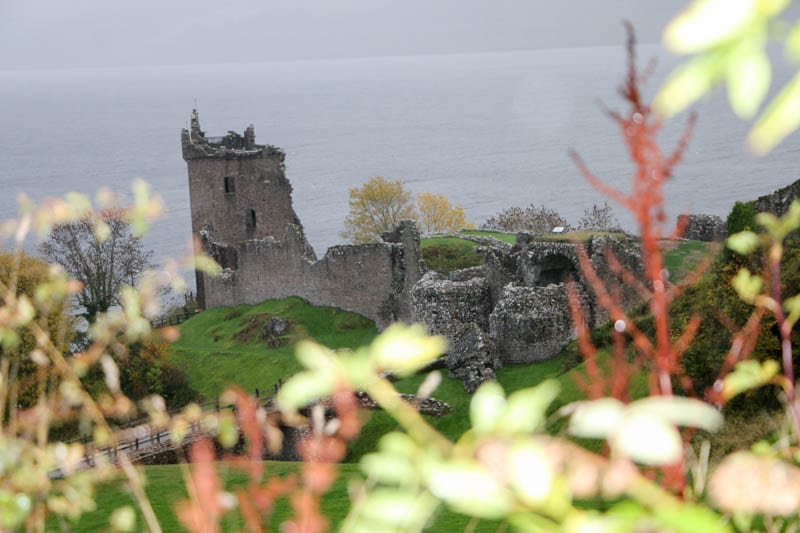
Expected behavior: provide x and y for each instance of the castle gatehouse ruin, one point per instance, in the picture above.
(513, 309)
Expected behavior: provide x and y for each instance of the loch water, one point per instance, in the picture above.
(487, 130)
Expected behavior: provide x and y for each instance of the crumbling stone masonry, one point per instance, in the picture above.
(515, 308)
(241, 208)
(698, 227)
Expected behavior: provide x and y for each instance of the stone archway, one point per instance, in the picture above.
(554, 268)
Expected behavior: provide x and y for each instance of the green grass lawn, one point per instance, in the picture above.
(681, 257)
(510, 238)
(225, 346)
(446, 254)
(165, 487)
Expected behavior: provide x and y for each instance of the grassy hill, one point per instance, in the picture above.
(223, 346)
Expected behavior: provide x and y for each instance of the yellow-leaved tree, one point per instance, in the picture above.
(438, 215)
(380, 204)
(377, 207)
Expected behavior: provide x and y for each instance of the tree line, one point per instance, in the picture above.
(380, 204)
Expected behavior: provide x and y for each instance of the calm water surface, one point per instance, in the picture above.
(487, 130)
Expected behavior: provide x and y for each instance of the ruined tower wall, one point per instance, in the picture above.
(258, 204)
(241, 205)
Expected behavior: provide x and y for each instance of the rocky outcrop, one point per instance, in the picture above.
(779, 201)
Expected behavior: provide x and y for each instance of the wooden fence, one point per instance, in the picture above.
(139, 440)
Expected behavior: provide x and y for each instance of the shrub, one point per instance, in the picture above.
(536, 220)
(742, 217)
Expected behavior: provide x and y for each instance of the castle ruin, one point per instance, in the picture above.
(513, 309)
(241, 209)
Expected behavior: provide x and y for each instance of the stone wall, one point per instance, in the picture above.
(531, 324)
(699, 227)
(778, 202)
(518, 300)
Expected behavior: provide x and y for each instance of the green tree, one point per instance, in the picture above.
(102, 253)
(377, 207)
(27, 370)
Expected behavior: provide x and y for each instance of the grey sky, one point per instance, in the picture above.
(72, 33)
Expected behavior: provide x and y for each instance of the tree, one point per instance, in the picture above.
(102, 254)
(26, 373)
(438, 215)
(536, 220)
(377, 207)
(599, 218)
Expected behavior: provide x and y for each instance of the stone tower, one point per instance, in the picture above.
(238, 192)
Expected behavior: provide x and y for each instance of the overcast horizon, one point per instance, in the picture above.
(48, 34)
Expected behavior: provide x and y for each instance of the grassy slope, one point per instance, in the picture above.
(446, 254)
(213, 358)
(165, 487)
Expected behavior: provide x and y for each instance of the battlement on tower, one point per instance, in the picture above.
(196, 145)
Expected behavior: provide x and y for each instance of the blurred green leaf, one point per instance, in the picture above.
(14, 508)
(531, 472)
(304, 388)
(102, 231)
(314, 356)
(469, 489)
(205, 264)
(123, 519)
(748, 76)
(647, 439)
(781, 117)
(397, 443)
(227, 431)
(487, 406)
(397, 509)
(706, 23)
(746, 285)
(389, 469)
(403, 349)
(689, 518)
(527, 408)
(690, 81)
(680, 411)
(743, 243)
(596, 419)
(748, 375)
(792, 47)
